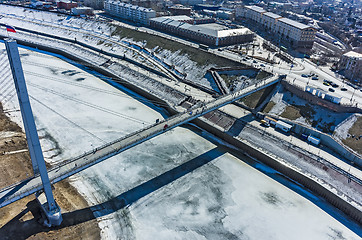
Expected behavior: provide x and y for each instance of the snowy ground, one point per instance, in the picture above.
(342, 129)
(99, 34)
(179, 185)
(315, 116)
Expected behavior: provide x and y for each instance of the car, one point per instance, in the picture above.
(343, 89)
(262, 65)
(325, 83)
(254, 61)
(314, 78)
(304, 75)
(334, 85)
(283, 76)
(331, 89)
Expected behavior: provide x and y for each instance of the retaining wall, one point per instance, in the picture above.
(294, 174)
(319, 101)
(326, 140)
(309, 183)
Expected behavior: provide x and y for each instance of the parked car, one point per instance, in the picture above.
(262, 65)
(331, 89)
(343, 89)
(304, 75)
(325, 83)
(314, 78)
(334, 85)
(254, 61)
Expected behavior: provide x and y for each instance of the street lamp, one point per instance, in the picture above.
(353, 94)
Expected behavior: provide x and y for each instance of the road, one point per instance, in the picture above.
(350, 97)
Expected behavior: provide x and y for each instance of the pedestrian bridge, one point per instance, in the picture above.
(72, 166)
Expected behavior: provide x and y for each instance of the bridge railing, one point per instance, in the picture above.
(71, 169)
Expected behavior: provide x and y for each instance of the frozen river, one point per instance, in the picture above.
(184, 184)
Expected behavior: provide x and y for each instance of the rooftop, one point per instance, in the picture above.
(127, 5)
(214, 30)
(214, 26)
(294, 23)
(353, 54)
(256, 9)
(179, 18)
(272, 15)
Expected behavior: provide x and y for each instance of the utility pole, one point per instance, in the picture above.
(45, 198)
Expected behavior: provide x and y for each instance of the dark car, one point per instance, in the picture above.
(304, 75)
(334, 85)
(331, 89)
(343, 89)
(254, 61)
(314, 78)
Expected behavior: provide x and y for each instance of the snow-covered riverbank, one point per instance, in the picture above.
(178, 185)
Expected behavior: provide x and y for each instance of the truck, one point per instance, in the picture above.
(270, 120)
(285, 127)
(264, 123)
(314, 140)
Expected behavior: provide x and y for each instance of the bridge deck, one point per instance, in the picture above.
(67, 168)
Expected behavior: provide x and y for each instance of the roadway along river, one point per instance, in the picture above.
(180, 185)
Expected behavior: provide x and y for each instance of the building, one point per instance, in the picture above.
(95, 4)
(200, 7)
(351, 66)
(210, 34)
(82, 11)
(254, 13)
(300, 36)
(180, 10)
(67, 5)
(191, 2)
(129, 12)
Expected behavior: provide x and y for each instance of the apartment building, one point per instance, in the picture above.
(300, 36)
(95, 4)
(351, 65)
(129, 12)
(254, 13)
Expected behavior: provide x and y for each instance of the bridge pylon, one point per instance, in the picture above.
(45, 198)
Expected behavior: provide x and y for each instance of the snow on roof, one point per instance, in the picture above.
(294, 23)
(353, 54)
(127, 5)
(284, 124)
(256, 9)
(218, 33)
(272, 15)
(180, 18)
(208, 29)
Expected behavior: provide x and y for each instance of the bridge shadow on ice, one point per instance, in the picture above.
(31, 227)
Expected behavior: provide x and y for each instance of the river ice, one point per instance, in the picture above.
(180, 185)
